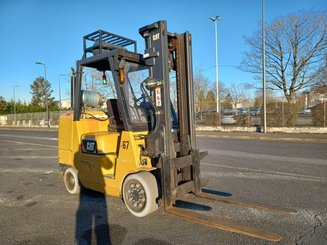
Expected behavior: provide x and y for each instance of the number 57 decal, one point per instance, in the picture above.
(125, 145)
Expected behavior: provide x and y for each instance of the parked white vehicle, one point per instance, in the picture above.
(228, 119)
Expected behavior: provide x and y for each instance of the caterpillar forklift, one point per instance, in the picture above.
(139, 145)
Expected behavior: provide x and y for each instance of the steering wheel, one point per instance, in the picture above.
(139, 101)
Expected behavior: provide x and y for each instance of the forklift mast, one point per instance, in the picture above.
(165, 52)
(178, 156)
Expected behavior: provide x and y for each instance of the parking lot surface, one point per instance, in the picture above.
(35, 208)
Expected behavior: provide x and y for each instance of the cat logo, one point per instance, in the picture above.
(156, 37)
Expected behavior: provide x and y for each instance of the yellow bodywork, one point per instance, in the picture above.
(118, 153)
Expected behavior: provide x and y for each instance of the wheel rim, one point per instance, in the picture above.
(135, 196)
(70, 181)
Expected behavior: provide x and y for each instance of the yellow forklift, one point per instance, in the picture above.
(139, 145)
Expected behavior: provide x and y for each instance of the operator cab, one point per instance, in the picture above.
(124, 73)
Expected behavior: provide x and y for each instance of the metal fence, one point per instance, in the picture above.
(278, 115)
(279, 118)
(303, 120)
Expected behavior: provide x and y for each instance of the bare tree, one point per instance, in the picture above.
(201, 85)
(321, 77)
(92, 80)
(258, 97)
(295, 50)
(237, 93)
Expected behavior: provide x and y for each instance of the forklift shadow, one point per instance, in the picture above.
(200, 207)
(191, 206)
(217, 193)
(92, 219)
(92, 224)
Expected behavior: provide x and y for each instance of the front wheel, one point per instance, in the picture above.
(71, 181)
(140, 193)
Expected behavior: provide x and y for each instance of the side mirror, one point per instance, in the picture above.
(151, 83)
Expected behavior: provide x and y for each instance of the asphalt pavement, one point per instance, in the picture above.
(285, 171)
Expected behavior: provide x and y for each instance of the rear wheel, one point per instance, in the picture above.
(71, 181)
(140, 193)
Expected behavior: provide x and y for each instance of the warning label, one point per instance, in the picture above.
(158, 96)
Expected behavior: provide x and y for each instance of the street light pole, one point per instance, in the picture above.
(325, 113)
(215, 20)
(264, 98)
(15, 86)
(46, 92)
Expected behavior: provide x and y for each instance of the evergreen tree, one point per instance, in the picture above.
(211, 100)
(40, 90)
(3, 105)
(228, 103)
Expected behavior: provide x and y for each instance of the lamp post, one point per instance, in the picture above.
(215, 19)
(15, 86)
(264, 96)
(46, 92)
(60, 91)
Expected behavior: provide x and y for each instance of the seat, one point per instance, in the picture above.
(115, 121)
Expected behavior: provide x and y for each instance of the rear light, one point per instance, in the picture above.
(104, 79)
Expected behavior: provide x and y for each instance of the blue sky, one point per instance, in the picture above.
(52, 31)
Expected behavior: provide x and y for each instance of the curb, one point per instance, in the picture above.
(242, 137)
(29, 128)
(293, 130)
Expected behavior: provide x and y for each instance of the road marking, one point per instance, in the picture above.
(265, 157)
(29, 157)
(29, 170)
(257, 173)
(25, 143)
(29, 137)
(23, 149)
(46, 200)
(256, 176)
